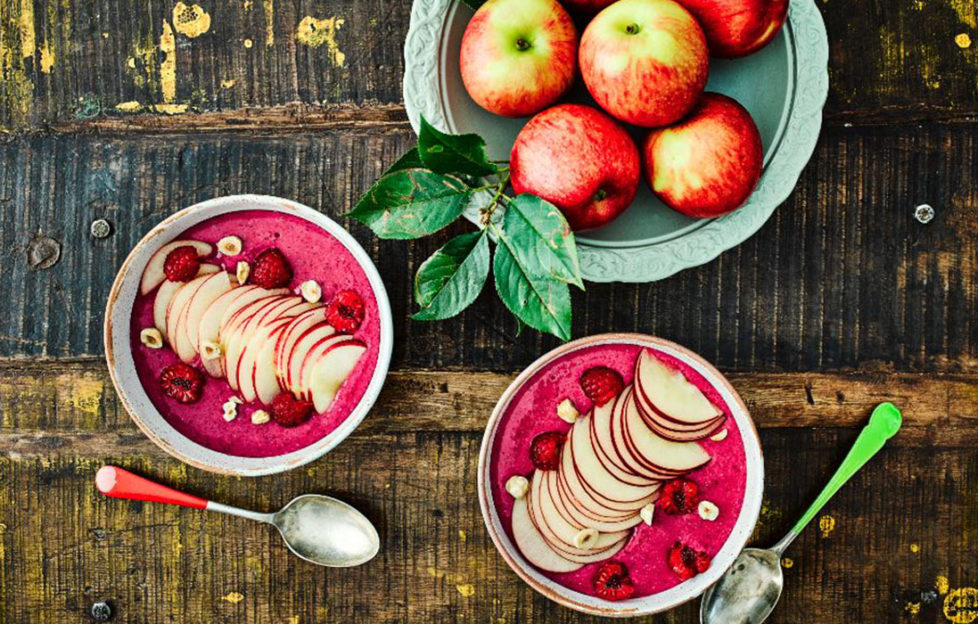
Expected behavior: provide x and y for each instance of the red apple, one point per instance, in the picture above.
(738, 27)
(579, 159)
(645, 61)
(709, 164)
(518, 56)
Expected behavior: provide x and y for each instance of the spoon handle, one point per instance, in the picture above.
(883, 425)
(119, 483)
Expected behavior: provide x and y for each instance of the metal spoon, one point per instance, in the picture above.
(748, 591)
(317, 528)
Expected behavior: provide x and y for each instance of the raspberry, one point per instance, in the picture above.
(271, 270)
(545, 450)
(345, 312)
(181, 382)
(687, 562)
(612, 582)
(289, 411)
(679, 496)
(601, 384)
(181, 264)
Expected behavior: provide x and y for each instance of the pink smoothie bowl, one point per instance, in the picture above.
(734, 477)
(239, 449)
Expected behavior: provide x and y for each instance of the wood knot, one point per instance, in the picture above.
(43, 252)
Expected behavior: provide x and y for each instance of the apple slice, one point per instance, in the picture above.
(256, 372)
(670, 394)
(288, 338)
(609, 503)
(246, 337)
(209, 327)
(166, 293)
(587, 501)
(532, 545)
(218, 284)
(555, 528)
(624, 447)
(153, 274)
(657, 453)
(232, 334)
(176, 308)
(604, 448)
(331, 371)
(210, 289)
(299, 352)
(574, 511)
(595, 476)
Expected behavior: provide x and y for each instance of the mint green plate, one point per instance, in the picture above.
(783, 86)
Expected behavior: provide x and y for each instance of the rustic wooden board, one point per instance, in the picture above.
(841, 276)
(412, 469)
(65, 61)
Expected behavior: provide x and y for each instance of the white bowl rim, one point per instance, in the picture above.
(683, 592)
(121, 364)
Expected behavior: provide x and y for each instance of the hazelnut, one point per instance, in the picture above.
(229, 245)
(719, 436)
(242, 271)
(708, 511)
(585, 538)
(567, 411)
(151, 337)
(210, 350)
(260, 417)
(646, 514)
(311, 291)
(517, 486)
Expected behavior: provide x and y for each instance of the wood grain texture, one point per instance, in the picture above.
(841, 276)
(66, 61)
(60, 408)
(411, 468)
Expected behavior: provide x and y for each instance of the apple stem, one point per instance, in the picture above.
(632, 29)
(522, 44)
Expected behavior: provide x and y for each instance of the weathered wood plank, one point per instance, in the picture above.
(841, 276)
(66, 61)
(70, 409)
(63, 546)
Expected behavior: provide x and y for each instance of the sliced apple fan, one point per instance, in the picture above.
(262, 341)
(612, 463)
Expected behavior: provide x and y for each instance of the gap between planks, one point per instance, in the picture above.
(298, 117)
(70, 407)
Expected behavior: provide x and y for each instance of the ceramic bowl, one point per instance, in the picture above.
(122, 369)
(784, 87)
(678, 594)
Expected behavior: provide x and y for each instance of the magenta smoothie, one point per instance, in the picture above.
(722, 480)
(313, 255)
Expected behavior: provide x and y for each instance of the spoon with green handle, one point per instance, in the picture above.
(748, 591)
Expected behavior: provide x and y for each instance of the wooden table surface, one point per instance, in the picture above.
(124, 111)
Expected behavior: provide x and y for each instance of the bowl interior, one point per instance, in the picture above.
(122, 364)
(762, 82)
(742, 528)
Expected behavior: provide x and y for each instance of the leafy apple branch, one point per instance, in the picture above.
(432, 185)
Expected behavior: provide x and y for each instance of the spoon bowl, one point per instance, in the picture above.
(327, 531)
(748, 592)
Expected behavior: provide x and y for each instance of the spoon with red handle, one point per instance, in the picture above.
(320, 529)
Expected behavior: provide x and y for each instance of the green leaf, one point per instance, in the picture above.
(540, 301)
(410, 160)
(453, 153)
(411, 203)
(538, 236)
(451, 279)
(475, 4)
